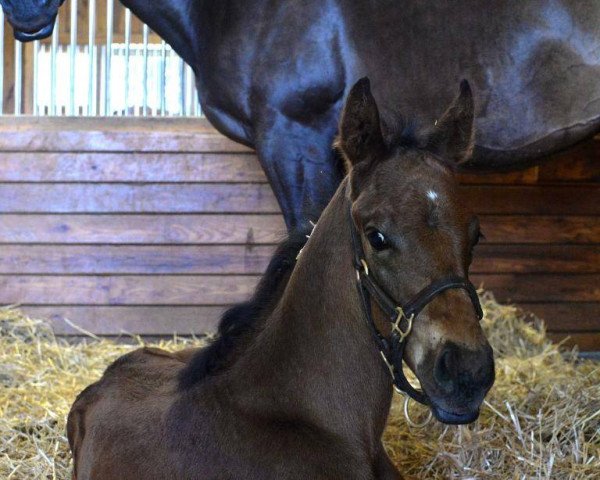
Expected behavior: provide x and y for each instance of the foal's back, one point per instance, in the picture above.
(137, 422)
(116, 425)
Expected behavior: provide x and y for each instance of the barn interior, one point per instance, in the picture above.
(124, 214)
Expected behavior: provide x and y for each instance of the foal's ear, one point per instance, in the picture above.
(360, 127)
(453, 135)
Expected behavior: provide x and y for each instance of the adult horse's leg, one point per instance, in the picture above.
(300, 163)
(298, 85)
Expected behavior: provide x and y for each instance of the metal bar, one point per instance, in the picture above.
(181, 86)
(197, 110)
(2, 61)
(73, 56)
(36, 73)
(127, 55)
(163, 77)
(91, 42)
(145, 33)
(189, 80)
(53, 67)
(18, 77)
(110, 13)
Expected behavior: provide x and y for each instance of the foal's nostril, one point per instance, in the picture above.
(460, 370)
(445, 371)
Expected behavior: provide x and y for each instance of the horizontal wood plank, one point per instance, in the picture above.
(541, 287)
(128, 198)
(577, 164)
(519, 177)
(533, 200)
(142, 229)
(155, 320)
(253, 259)
(536, 259)
(112, 134)
(209, 228)
(129, 167)
(169, 320)
(566, 317)
(540, 229)
(259, 198)
(120, 259)
(227, 289)
(585, 342)
(126, 290)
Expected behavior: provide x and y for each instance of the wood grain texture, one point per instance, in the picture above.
(129, 167)
(142, 229)
(169, 319)
(584, 342)
(227, 289)
(251, 228)
(566, 317)
(533, 200)
(126, 259)
(154, 226)
(259, 198)
(112, 134)
(520, 177)
(155, 320)
(137, 198)
(536, 259)
(577, 164)
(126, 290)
(540, 229)
(253, 259)
(541, 287)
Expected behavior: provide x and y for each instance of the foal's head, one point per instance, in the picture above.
(415, 230)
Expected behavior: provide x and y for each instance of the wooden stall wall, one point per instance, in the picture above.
(154, 226)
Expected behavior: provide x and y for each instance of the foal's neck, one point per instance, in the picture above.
(315, 359)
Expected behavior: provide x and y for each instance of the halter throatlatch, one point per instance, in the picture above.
(400, 316)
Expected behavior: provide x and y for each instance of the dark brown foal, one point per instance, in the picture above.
(296, 387)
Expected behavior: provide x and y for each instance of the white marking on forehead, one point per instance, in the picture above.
(432, 195)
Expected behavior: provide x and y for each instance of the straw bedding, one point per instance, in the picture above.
(541, 419)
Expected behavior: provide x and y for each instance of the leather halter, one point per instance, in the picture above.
(401, 316)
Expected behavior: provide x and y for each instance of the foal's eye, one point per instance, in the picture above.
(377, 239)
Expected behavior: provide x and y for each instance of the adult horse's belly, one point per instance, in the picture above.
(534, 67)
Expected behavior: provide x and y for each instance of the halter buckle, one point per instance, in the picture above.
(396, 324)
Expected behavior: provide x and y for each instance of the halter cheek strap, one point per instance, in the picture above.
(400, 316)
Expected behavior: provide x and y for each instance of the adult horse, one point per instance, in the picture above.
(273, 74)
(298, 385)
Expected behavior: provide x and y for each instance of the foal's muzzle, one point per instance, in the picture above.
(461, 379)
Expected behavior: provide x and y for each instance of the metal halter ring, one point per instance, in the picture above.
(410, 421)
(396, 324)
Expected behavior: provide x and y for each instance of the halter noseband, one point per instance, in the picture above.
(400, 316)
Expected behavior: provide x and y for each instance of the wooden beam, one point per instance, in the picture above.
(142, 229)
(155, 320)
(130, 167)
(113, 134)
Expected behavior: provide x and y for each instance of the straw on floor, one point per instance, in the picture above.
(541, 419)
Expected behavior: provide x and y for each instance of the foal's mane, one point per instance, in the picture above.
(239, 324)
